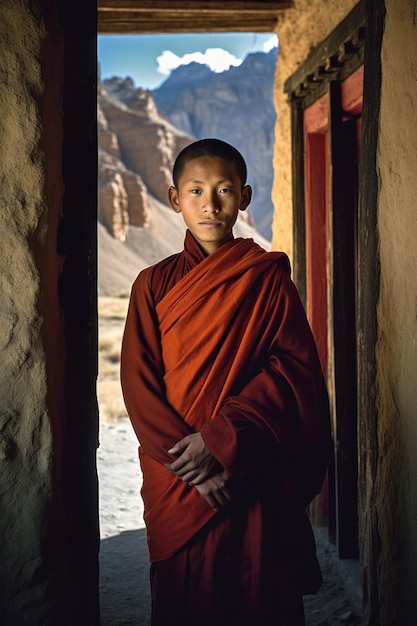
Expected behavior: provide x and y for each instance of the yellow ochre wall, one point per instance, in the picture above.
(298, 31)
(396, 352)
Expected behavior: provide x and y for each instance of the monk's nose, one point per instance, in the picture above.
(212, 204)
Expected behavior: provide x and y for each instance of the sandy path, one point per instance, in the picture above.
(124, 587)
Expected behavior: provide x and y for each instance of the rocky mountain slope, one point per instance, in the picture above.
(120, 262)
(137, 149)
(236, 106)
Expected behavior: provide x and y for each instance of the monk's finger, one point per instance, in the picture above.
(183, 464)
(179, 447)
(189, 476)
(226, 496)
(212, 501)
(223, 496)
(185, 460)
(220, 500)
(176, 465)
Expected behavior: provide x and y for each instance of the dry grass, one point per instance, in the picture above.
(112, 314)
(113, 308)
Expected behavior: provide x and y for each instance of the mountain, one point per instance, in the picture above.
(236, 106)
(137, 149)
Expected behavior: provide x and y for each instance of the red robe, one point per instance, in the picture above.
(221, 345)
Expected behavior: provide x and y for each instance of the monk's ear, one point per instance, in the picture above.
(173, 199)
(246, 197)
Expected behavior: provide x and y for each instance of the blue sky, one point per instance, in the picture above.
(149, 59)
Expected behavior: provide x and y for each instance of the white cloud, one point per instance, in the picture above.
(217, 59)
(271, 43)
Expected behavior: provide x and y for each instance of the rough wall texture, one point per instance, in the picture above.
(300, 29)
(44, 470)
(396, 500)
(26, 402)
(48, 173)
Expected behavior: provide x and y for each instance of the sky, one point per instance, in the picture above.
(149, 59)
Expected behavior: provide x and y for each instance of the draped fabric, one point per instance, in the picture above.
(221, 345)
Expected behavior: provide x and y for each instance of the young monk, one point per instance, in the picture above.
(224, 389)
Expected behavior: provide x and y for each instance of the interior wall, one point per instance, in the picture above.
(48, 322)
(396, 474)
(29, 313)
(299, 30)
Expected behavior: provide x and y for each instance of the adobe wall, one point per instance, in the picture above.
(26, 437)
(299, 30)
(396, 474)
(48, 491)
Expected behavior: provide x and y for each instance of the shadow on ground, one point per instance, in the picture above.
(125, 597)
(124, 580)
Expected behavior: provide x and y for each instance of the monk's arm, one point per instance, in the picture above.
(215, 490)
(157, 425)
(194, 463)
(280, 412)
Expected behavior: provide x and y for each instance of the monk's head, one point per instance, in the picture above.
(209, 190)
(209, 148)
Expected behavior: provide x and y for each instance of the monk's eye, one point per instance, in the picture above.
(225, 190)
(195, 192)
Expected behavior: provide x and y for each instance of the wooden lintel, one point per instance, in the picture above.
(343, 44)
(120, 22)
(141, 6)
(326, 71)
(185, 15)
(144, 26)
(175, 16)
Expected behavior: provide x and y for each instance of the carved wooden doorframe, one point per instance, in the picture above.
(325, 95)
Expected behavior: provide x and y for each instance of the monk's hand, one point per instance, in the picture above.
(195, 463)
(215, 491)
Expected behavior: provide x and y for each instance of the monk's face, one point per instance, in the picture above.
(209, 195)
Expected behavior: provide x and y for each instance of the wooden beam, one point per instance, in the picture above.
(193, 5)
(142, 16)
(335, 57)
(128, 24)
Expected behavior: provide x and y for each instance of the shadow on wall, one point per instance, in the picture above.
(124, 580)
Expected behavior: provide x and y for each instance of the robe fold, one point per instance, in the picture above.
(221, 345)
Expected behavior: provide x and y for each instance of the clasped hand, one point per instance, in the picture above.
(198, 467)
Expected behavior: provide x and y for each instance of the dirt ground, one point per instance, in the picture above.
(124, 588)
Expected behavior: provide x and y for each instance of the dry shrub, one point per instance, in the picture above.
(109, 348)
(112, 315)
(110, 401)
(112, 308)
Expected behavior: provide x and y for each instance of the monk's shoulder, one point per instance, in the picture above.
(284, 262)
(279, 259)
(152, 280)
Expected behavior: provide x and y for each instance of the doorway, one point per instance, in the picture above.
(132, 238)
(326, 98)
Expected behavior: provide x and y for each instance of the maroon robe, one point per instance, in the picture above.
(221, 345)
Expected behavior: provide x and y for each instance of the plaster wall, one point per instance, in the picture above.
(396, 474)
(26, 432)
(299, 30)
